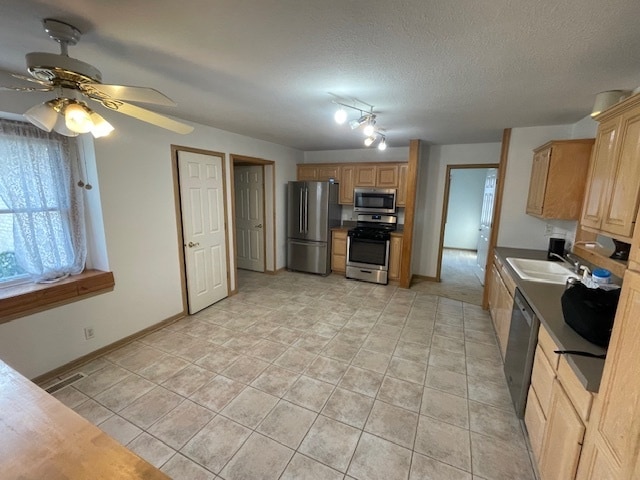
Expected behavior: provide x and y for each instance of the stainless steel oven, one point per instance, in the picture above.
(374, 200)
(368, 248)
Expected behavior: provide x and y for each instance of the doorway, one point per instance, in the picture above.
(201, 212)
(253, 213)
(467, 216)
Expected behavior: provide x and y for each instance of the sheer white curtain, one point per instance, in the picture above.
(38, 182)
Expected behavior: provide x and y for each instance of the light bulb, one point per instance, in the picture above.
(77, 118)
(101, 128)
(369, 141)
(61, 128)
(368, 129)
(340, 116)
(383, 144)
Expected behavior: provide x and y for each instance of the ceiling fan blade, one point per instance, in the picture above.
(127, 93)
(22, 83)
(147, 116)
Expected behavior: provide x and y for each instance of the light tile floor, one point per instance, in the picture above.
(303, 377)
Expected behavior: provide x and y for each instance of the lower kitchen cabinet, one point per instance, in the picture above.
(563, 436)
(612, 444)
(395, 252)
(338, 251)
(501, 303)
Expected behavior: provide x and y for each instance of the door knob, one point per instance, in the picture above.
(191, 244)
(258, 226)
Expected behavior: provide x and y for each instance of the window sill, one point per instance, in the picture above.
(26, 299)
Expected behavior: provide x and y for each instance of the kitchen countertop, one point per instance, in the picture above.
(544, 298)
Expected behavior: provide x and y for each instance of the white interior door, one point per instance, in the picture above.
(203, 227)
(486, 220)
(249, 196)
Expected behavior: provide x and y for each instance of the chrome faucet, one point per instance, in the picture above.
(575, 264)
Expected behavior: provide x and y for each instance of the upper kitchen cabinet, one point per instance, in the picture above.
(321, 173)
(612, 195)
(387, 176)
(347, 182)
(558, 178)
(401, 197)
(365, 176)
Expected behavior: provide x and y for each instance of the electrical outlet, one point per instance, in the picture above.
(548, 230)
(89, 333)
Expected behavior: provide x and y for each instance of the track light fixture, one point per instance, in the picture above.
(366, 119)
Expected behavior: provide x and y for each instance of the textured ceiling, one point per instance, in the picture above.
(444, 71)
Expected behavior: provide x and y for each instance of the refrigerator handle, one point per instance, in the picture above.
(300, 210)
(306, 210)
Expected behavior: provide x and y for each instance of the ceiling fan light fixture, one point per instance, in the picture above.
(77, 118)
(61, 128)
(340, 116)
(101, 128)
(43, 116)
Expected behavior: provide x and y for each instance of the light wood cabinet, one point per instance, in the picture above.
(347, 183)
(395, 251)
(338, 250)
(401, 197)
(500, 304)
(612, 443)
(535, 421)
(563, 436)
(558, 178)
(387, 176)
(365, 176)
(320, 173)
(613, 190)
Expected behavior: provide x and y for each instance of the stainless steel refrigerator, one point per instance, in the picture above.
(313, 210)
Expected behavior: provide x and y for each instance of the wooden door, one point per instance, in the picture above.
(347, 182)
(249, 200)
(395, 250)
(600, 170)
(538, 182)
(307, 173)
(624, 186)
(613, 437)
(563, 436)
(202, 200)
(328, 172)
(365, 176)
(401, 195)
(387, 176)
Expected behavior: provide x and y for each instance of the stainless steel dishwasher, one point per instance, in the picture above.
(521, 347)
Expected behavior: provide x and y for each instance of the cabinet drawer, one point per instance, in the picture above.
(580, 397)
(535, 421)
(548, 346)
(542, 380)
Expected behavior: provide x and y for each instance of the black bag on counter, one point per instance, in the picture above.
(590, 312)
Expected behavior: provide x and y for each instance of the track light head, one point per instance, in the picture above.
(383, 143)
(340, 116)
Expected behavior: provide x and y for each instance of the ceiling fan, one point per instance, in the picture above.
(73, 81)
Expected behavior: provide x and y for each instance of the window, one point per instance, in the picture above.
(42, 232)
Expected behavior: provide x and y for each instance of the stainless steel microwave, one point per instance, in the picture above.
(374, 200)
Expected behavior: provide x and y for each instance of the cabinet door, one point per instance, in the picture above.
(387, 176)
(535, 421)
(600, 169)
(365, 176)
(614, 427)
(347, 179)
(494, 291)
(338, 251)
(401, 196)
(395, 251)
(328, 172)
(563, 437)
(538, 182)
(620, 215)
(307, 172)
(505, 306)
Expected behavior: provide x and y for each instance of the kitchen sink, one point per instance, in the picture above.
(541, 270)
